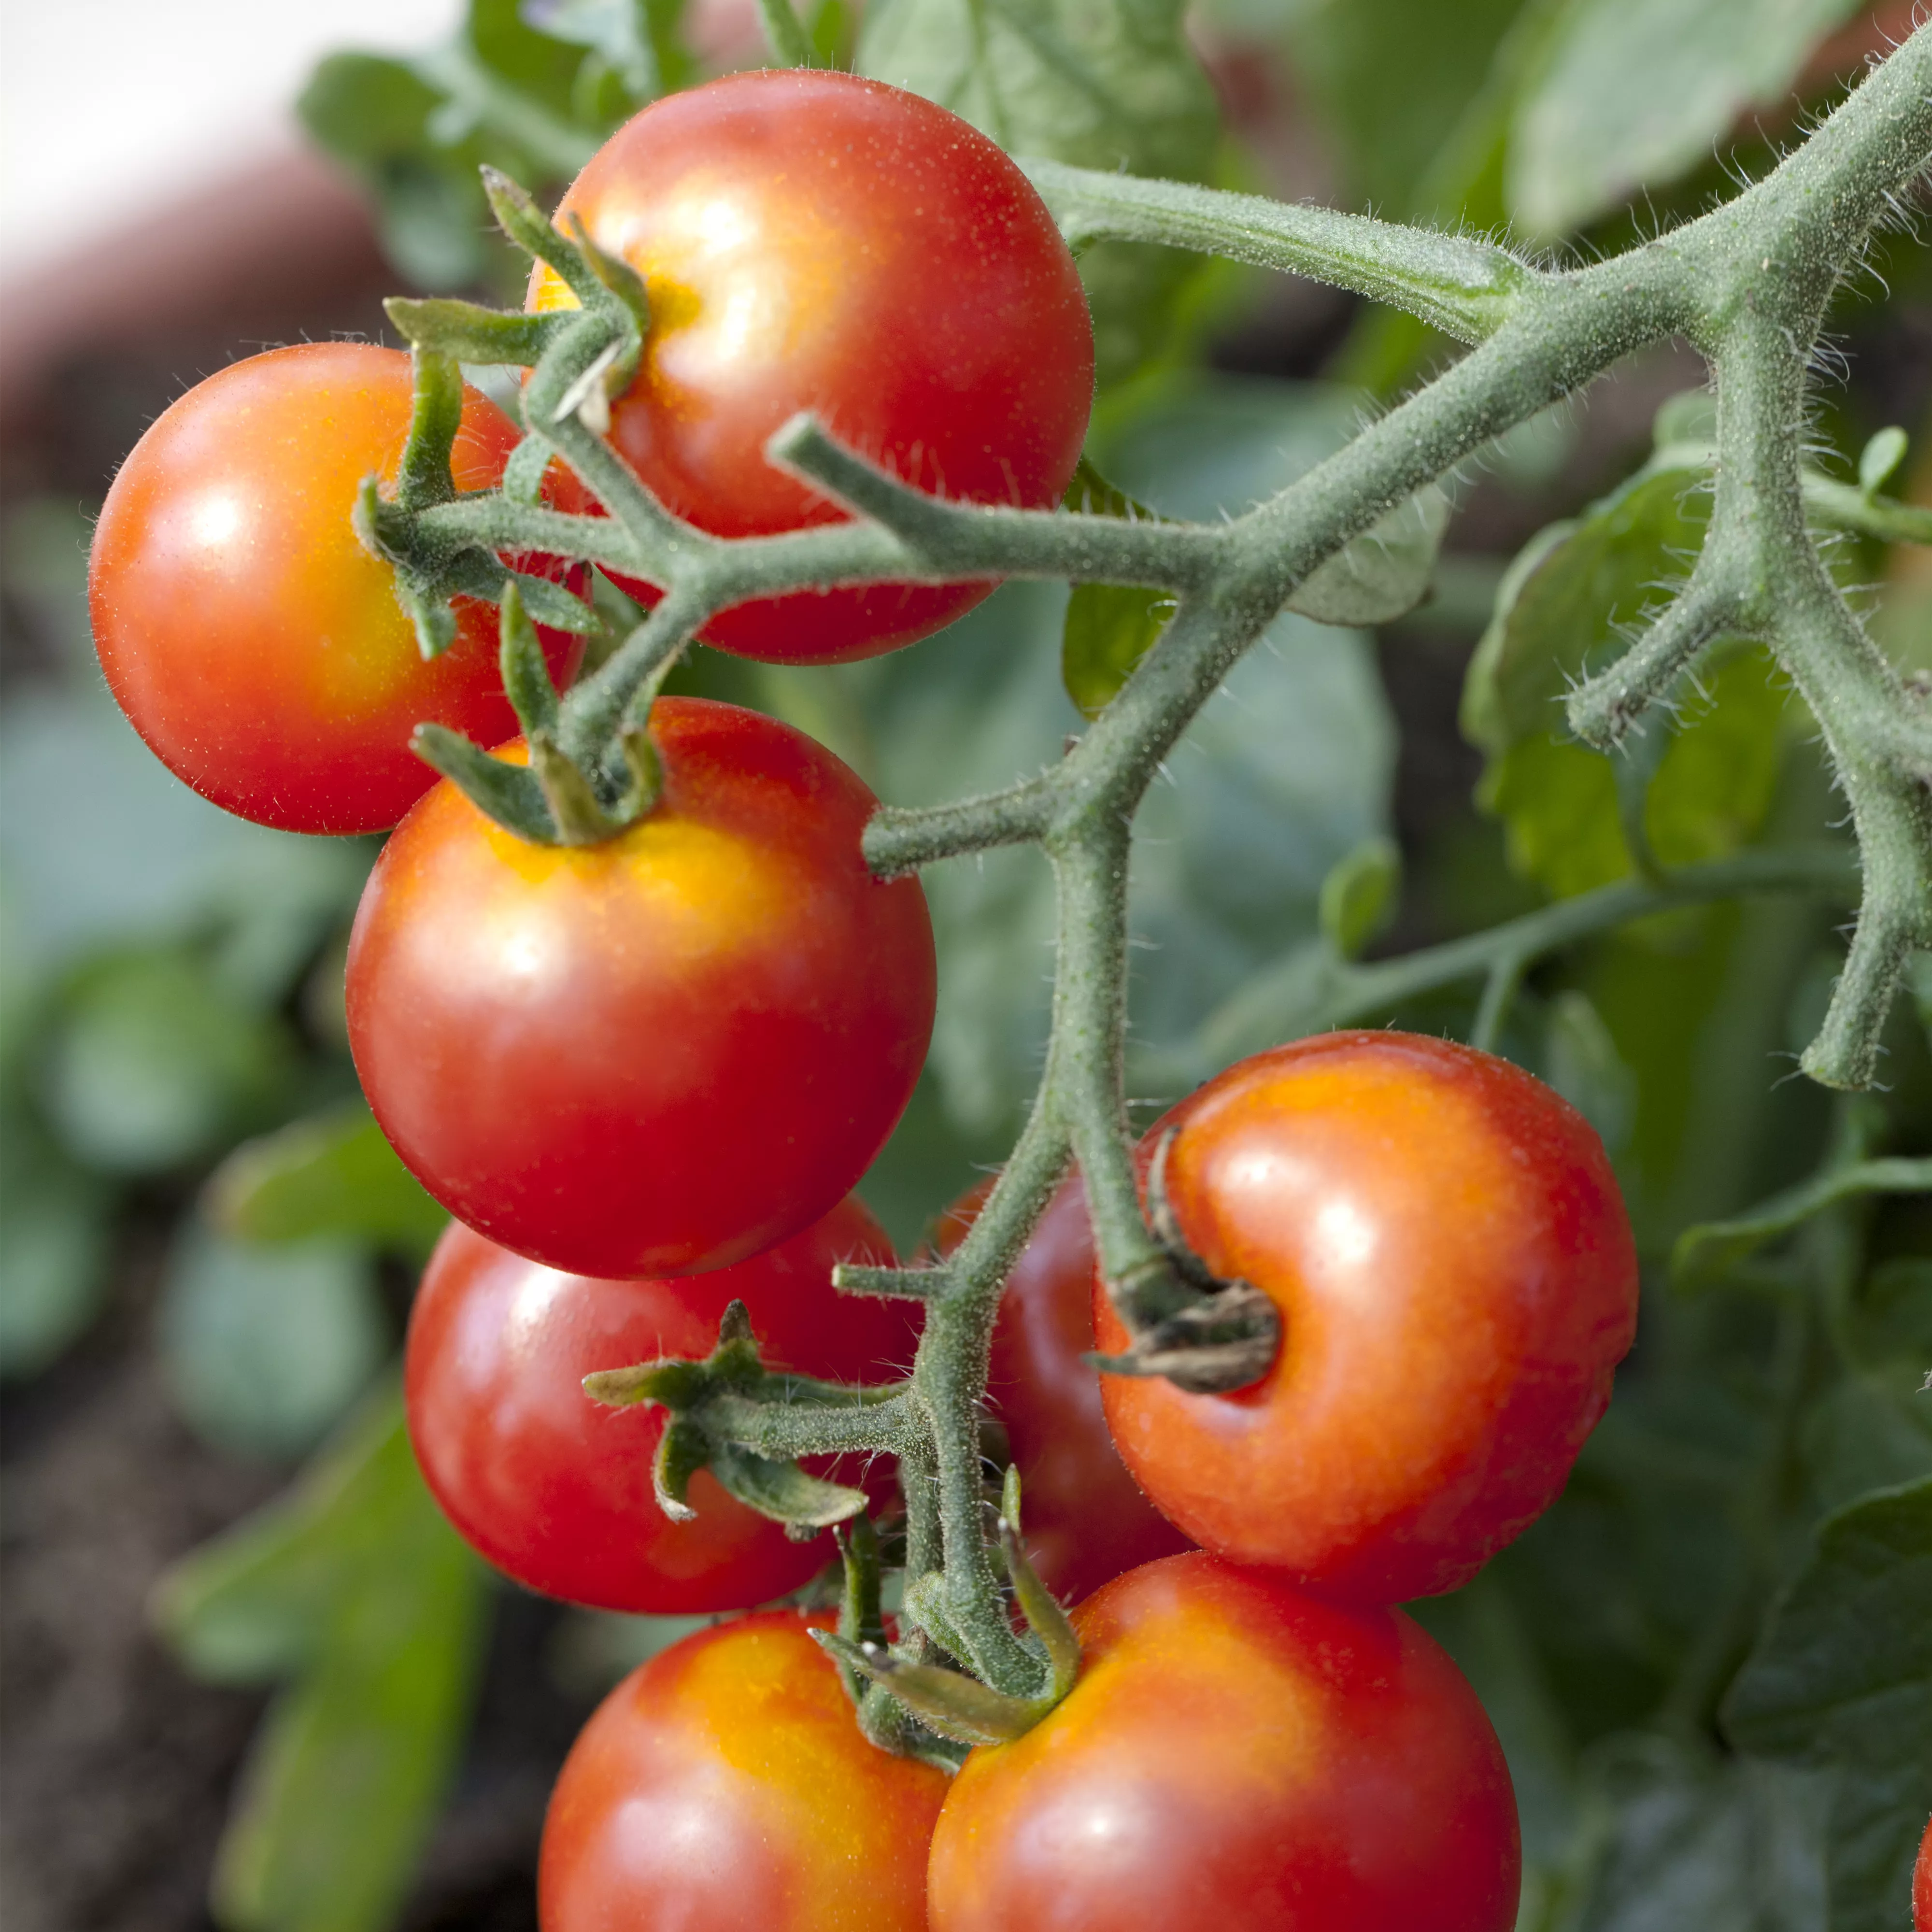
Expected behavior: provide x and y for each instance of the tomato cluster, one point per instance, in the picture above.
(645, 1073)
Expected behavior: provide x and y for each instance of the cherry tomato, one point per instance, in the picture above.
(1445, 1241)
(1236, 1755)
(1921, 1884)
(724, 1787)
(811, 241)
(251, 640)
(658, 1054)
(555, 1488)
(1085, 1518)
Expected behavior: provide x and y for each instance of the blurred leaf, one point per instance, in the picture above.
(637, 40)
(353, 1586)
(1099, 83)
(1707, 1252)
(1581, 1062)
(151, 1064)
(53, 1262)
(1729, 1849)
(1893, 1315)
(1109, 629)
(1357, 898)
(1868, 1431)
(1396, 83)
(1566, 605)
(1632, 93)
(264, 1347)
(332, 1173)
(1382, 573)
(1841, 1679)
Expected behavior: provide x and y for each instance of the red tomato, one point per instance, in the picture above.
(555, 1488)
(1085, 1519)
(724, 1787)
(1237, 1756)
(1921, 1884)
(1445, 1241)
(251, 640)
(658, 1054)
(811, 241)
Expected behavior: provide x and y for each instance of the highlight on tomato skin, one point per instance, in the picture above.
(662, 1054)
(1085, 1519)
(724, 1787)
(809, 240)
(1445, 1239)
(554, 1488)
(252, 641)
(1237, 1755)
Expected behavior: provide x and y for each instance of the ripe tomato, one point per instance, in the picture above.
(1921, 1884)
(724, 1786)
(811, 241)
(251, 640)
(555, 1488)
(658, 1054)
(1456, 1280)
(1085, 1518)
(1237, 1756)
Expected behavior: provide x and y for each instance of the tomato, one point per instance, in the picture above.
(555, 1488)
(1445, 1241)
(251, 640)
(1921, 1884)
(660, 1054)
(1085, 1519)
(1236, 1755)
(811, 241)
(723, 1786)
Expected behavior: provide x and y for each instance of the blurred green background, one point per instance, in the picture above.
(208, 1251)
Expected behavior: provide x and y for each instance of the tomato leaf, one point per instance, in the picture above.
(1628, 93)
(264, 1347)
(354, 1589)
(331, 1174)
(1113, 84)
(1841, 1679)
(53, 1262)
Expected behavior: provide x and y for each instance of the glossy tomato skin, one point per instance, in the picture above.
(724, 1787)
(1085, 1518)
(659, 1054)
(556, 1488)
(813, 240)
(251, 640)
(1445, 1241)
(1237, 1755)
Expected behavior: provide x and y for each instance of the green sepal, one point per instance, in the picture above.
(673, 1382)
(522, 221)
(949, 1702)
(783, 1491)
(925, 1605)
(1038, 1605)
(683, 1449)
(526, 676)
(468, 332)
(574, 807)
(523, 471)
(508, 793)
(861, 1618)
(435, 415)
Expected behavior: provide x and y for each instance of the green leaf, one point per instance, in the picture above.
(1628, 94)
(1358, 896)
(1581, 1062)
(1109, 628)
(1382, 573)
(637, 40)
(1841, 1679)
(264, 1347)
(53, 1261)
(1566, 607)
(331, 1174)
(152, 1063)
(1729, 1849)
(1708, 1251)
(354, 1587)
(1099, 83)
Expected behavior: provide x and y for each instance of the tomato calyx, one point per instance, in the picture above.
(1205, 1334)
(715, 1404)
(948, 1701)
